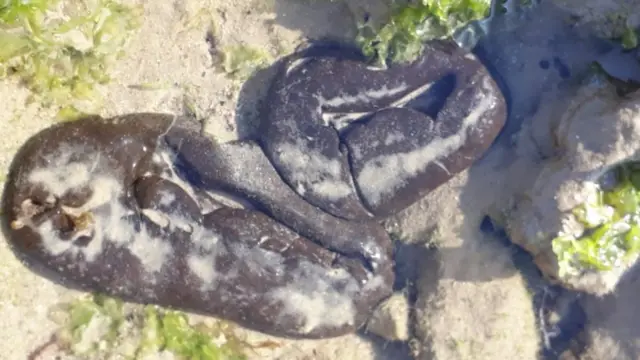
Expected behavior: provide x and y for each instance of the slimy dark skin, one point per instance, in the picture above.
(279, 234)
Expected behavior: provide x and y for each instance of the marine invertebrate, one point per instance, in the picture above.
(360, 152)
(268, 234)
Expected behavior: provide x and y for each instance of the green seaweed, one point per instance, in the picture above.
(611, 219)
(100, 327)
(240, 61)
(189, 342)
(61, 50)
(237, 61)
(401, 38)
(629, 38)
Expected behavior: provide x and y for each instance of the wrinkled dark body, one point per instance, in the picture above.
(161, 214)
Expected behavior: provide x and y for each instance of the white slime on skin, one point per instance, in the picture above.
(341, 121)
(384, 174)
(167, 198)
(362, 97)
(109, 222)
(157, 217)
(393, 138)
(109, 214)
(312, 297)
(312, 170)
(204, 268)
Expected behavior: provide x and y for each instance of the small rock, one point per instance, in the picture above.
(597, 131)
(391, 319)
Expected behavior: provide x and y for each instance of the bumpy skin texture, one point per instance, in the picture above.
(145, 208)
(337, 135)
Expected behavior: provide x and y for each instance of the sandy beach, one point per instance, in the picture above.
(471, 300)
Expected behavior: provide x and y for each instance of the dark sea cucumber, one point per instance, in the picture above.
(279, 235)
(353, 141)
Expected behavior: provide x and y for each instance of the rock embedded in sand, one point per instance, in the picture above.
(607, 19)
(391, 319)
(597, 132)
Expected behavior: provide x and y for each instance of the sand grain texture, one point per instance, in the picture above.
(472, 301)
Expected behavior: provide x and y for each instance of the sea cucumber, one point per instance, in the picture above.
(269, 233)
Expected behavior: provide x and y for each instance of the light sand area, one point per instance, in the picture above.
(472, 302)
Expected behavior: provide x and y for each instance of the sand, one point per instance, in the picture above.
(471, 300)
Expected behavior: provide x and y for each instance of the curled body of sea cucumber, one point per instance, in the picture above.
(355, 141)
(278, 235)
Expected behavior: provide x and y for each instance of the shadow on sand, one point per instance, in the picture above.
(543, 57)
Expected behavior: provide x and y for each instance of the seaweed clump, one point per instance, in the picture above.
(610, 219)
(236, 61)
(101, 327)
(241, 61)
(629, 39)
(62, 49)
(400, 39)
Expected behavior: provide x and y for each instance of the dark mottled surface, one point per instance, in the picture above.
(313, 106)
(145, 208)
